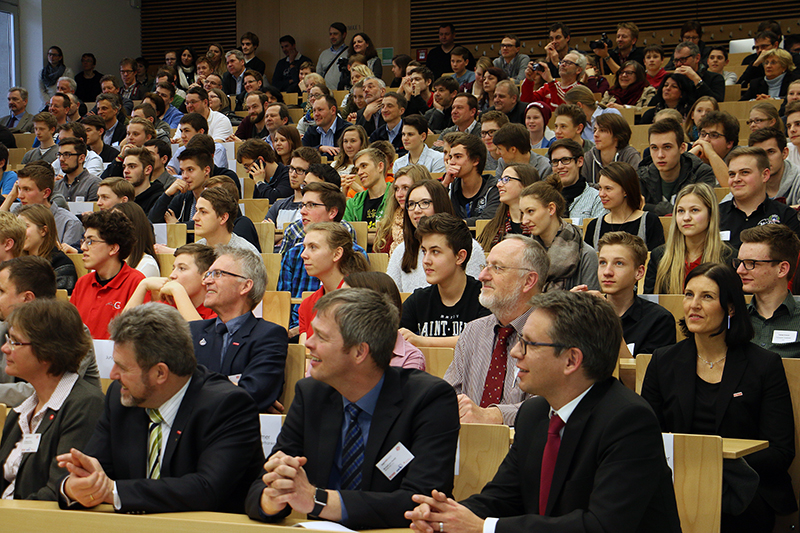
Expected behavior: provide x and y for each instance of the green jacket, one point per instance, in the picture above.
(355, 206)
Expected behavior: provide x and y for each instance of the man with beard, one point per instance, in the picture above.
(138, 169)
(254, 124)
(77, 181)
(482, 372)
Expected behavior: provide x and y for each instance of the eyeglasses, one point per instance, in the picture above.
(125, 71)
(310, 205)
(90, 241)
(713, 135)
(681, 60)
(750, 264)
(488, 133)
(497, 269)
(506, 45)
(563, 161)
(505, 179)
(566, 63)
(756, 121)
(11, 342)
(422, 204)
(525, 345)
(627, 73)
(64, 155)
(301, 171)
(216, 274)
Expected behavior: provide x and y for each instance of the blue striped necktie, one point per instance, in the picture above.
(352, 450)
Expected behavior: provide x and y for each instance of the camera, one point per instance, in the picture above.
(602, 42)
(537, 68)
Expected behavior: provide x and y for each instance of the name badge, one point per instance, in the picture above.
(235, 378)
(725, 235)
(783, 336)
(30, 443)
(395, 461)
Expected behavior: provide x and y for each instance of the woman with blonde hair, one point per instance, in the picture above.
(389, 229)
(483, 64)
(508, 217)
(702, 106)
(216, 58)
(778, 74)
(765, 115)
(693, 238)
(572, 261)
(353, 140)
(41, 239)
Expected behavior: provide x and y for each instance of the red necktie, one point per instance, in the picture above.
(549, 460)
(496, 377)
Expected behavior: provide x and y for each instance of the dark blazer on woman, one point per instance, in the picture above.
(759, 86)
(753, 403)
(69, 427)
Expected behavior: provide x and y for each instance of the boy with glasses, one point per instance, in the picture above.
(77, 182)
(766, 262)
(719, 134)
(583, 201)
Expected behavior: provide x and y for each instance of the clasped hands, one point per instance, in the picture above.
(437, 513)
(286, 483)
(87, 483)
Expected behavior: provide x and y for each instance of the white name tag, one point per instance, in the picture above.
(30, 443)
(725, 235)
(631, 346)
(235, 378)
(395, 461)
(783, 336)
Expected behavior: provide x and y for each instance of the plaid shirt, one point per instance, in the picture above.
(295, 233)
(295, 279)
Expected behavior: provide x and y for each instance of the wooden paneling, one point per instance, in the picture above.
(172, 24)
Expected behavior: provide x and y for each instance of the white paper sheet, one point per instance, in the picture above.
(270, 428)
(104, 355)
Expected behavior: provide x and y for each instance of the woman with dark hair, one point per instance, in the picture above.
(286, 140)
(399, 64)
(675, 92)
(630, 88)
(273, 94)
(405, 354)
(44, 346)
(490, 79)
(508, 217)
(621, 195)
(143, 254)
(611, 137)
(186, 68)
(54, 68)
(362, 44)
(717, 382)
(424, 198)
(41, 239)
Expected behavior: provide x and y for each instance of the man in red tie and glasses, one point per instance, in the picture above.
(587, 454)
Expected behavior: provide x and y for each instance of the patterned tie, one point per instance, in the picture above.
(154, 444)
(496, 377)
(352, 450)
(549, 460)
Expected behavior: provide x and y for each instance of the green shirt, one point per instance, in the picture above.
(781, 332)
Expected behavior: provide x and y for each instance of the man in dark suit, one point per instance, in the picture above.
(394, 106)
(688, 62)
(173, 436)
(329, 127)
(249, 350)
(587, 454)
(354, 414)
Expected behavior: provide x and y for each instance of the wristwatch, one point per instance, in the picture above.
(320, 501)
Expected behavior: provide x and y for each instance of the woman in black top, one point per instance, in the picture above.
(41, 238)
(717, 382)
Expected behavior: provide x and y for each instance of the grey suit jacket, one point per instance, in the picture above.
(25, 124)
(69, 427)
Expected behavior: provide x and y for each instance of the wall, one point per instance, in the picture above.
(110, 29)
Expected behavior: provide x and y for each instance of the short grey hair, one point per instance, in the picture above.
(252, 268)
(534, 257)
(581, 59)
(364, 315)
(72, 84)
(511, 86)
(23, 92)
(238, 53)
(112, 99)
(377, 79)
(157, 333)
(584, 321)
(693, 48)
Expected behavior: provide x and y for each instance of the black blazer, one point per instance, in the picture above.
(611, 473)
(382, 134)
(214, 450)
(414, 408)
(312, 137)
(69, 427)
(257, 351)
(759, 86)
(754, 403)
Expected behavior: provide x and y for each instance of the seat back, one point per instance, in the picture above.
(482, 447)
